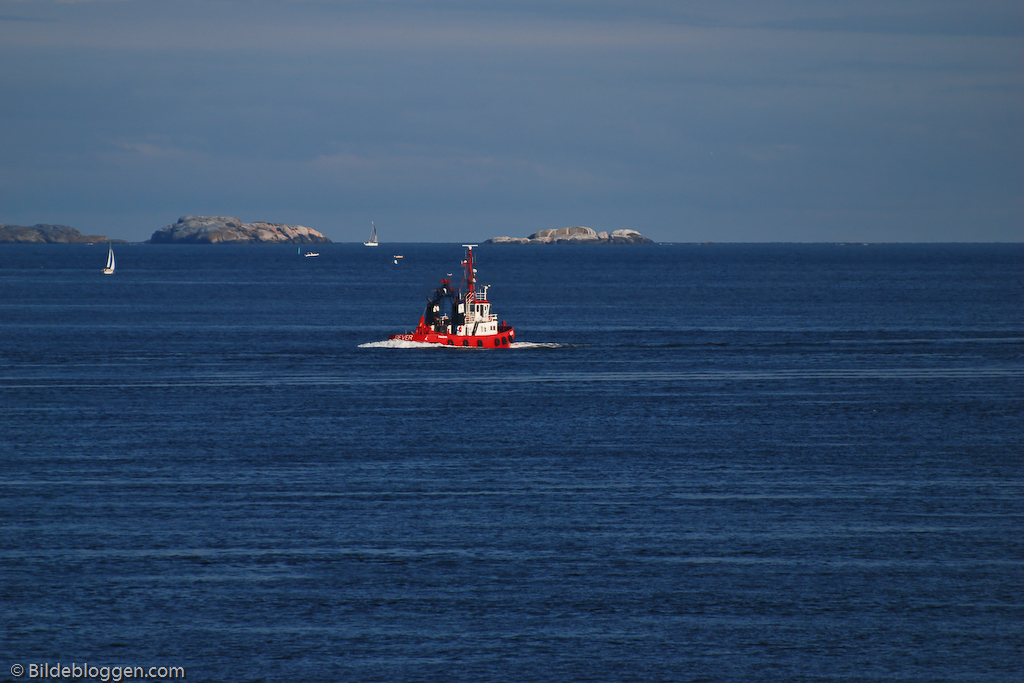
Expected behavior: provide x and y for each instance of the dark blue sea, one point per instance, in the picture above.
(699, 463)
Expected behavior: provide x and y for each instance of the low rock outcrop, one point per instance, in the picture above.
(42, 233)
(225, 229)
(577, 234)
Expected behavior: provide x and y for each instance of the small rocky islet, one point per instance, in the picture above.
(44, 233)
(230, 230)
(576, 234)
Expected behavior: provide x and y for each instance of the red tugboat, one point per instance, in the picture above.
(452, 318)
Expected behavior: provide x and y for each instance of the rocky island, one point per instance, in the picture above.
(575, 235)
(225, 229)
(43, 233)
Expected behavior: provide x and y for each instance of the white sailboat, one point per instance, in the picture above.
(373, 236)
(109, 270)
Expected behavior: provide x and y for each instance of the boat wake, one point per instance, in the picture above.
(539, 345)
(399, 344)
(404, 344)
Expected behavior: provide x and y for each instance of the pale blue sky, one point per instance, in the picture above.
(827, 120)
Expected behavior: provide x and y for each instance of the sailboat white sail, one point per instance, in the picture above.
(109, 270)
(373, 236)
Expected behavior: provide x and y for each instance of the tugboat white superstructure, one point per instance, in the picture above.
(454, 318)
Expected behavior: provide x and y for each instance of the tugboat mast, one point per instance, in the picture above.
(470, 272)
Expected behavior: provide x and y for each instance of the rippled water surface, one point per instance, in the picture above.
(699, 462)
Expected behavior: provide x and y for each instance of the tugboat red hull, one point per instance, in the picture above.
(502, 340)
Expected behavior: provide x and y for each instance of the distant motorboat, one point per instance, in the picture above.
(310, 254)
(373, 236)
(109, 269)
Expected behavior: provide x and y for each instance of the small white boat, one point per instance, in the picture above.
(373, 236)
(109, 270)
(312, 254)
